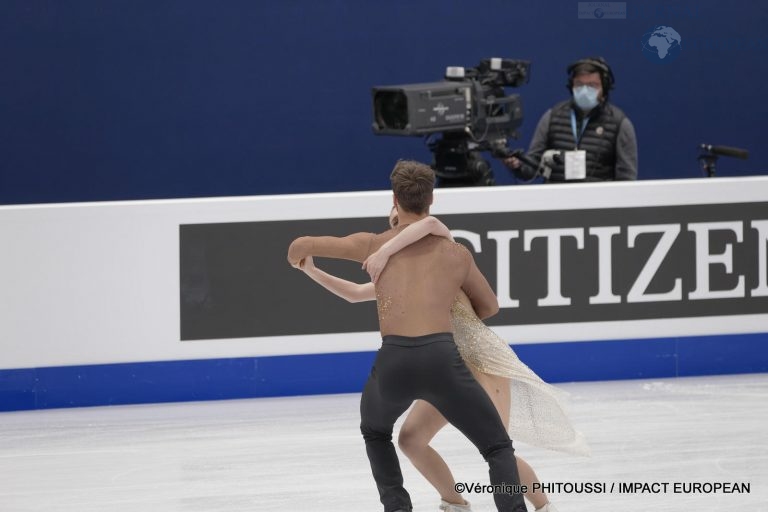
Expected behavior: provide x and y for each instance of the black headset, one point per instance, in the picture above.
(606, 75)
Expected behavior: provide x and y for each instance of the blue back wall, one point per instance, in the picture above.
(111, 100)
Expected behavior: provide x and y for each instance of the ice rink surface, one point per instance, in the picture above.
(306, 453)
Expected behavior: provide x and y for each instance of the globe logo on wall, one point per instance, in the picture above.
(661, 44)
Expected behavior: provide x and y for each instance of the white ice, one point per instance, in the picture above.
(306, 453)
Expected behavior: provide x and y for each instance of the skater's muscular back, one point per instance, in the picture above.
(415, 291)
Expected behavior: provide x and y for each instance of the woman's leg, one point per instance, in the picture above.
(498, 389)
(424, 421)
(420, 426)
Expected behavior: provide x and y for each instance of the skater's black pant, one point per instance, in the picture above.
(430, 368)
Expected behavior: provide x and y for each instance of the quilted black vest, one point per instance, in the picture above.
(598, 139)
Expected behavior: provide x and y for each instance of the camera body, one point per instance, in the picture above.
(421, 109)
(470, 108)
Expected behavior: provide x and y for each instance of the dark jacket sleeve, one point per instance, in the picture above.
(626, 152)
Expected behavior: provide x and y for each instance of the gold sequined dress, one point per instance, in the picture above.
(537, 414)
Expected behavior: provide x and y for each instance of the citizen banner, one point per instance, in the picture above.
(547, 267)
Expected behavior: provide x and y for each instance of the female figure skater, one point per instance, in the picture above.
(538, 417)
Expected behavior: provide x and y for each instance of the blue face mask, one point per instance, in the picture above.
(585, 97)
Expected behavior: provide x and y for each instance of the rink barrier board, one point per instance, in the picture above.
(113, 303)
(312, 374)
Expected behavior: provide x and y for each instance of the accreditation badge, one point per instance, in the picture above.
(575, 165)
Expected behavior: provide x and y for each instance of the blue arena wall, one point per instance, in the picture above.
(194, 98)
(156, 301)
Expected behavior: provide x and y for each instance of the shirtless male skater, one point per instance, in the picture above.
(418, 358)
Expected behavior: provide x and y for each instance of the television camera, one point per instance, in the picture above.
(470, 110)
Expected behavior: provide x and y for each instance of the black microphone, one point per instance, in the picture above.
(726, 151)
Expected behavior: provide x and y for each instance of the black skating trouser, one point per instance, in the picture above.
(430, 368)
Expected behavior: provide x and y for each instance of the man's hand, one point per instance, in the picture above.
(307, 265)
(512, 162)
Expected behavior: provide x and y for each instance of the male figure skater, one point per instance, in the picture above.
(418, 358)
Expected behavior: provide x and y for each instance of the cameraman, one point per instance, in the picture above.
(587, 122)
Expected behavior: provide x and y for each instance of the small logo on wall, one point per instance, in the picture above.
(661, 44)
(602, 10)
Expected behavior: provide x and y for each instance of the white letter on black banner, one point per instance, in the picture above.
(669, 234)
(554, 294)
(605, 293)
(502, 267)
(704, 259)
(762, 258)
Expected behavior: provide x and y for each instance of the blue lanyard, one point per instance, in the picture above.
(578, 137)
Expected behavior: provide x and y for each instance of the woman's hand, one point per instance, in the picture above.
(375, 263)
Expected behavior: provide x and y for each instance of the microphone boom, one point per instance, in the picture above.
(726, 151)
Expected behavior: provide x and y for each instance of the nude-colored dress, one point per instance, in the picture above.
(537, 414)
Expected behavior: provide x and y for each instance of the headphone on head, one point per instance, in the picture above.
(600, 65)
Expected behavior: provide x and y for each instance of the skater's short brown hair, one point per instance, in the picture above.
(413, 183)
